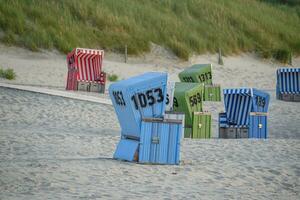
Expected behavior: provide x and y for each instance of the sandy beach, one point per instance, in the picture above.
(53, 147)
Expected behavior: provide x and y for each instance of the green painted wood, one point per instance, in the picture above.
(201, 125)
(212, 93)
(199, 73)
(188, 98)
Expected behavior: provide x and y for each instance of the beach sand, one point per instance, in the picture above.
(59, 148)
(53, 147)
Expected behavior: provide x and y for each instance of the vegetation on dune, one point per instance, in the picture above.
(7, 73)
(185, 27)
(286, 2)
(113, 77)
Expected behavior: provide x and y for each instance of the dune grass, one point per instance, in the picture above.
(7, 73)
(185, 27)
(113, 77)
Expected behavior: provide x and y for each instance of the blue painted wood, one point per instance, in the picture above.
(223, 120)
(150, 91)
(261, 101)
(126, 149)
(160, 142)
(240, 102)
(288, 81)
(258, 127)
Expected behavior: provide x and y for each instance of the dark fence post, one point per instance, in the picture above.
(220, 57)
(125, 53)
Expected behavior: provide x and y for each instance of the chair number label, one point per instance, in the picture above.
(260, 101)
(195, 99)
(119, 99)
(148, 98)
(205, 76)
(188, 79)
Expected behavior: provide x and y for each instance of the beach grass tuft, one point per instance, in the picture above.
(113, 77)
(7, 73)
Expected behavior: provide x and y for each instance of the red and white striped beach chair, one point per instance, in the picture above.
(85, 66)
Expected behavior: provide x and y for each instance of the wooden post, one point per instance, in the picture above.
(125, 53)
(220, 57)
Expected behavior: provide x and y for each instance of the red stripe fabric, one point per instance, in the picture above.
(94, 67)
(92, 77)
(85, 70)
(97, 66)
(80, 66)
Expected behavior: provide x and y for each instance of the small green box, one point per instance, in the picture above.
(188, 98)
(199, 73)
(201, 125)
(212, 92)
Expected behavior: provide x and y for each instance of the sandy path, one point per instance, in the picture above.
(49, 68)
